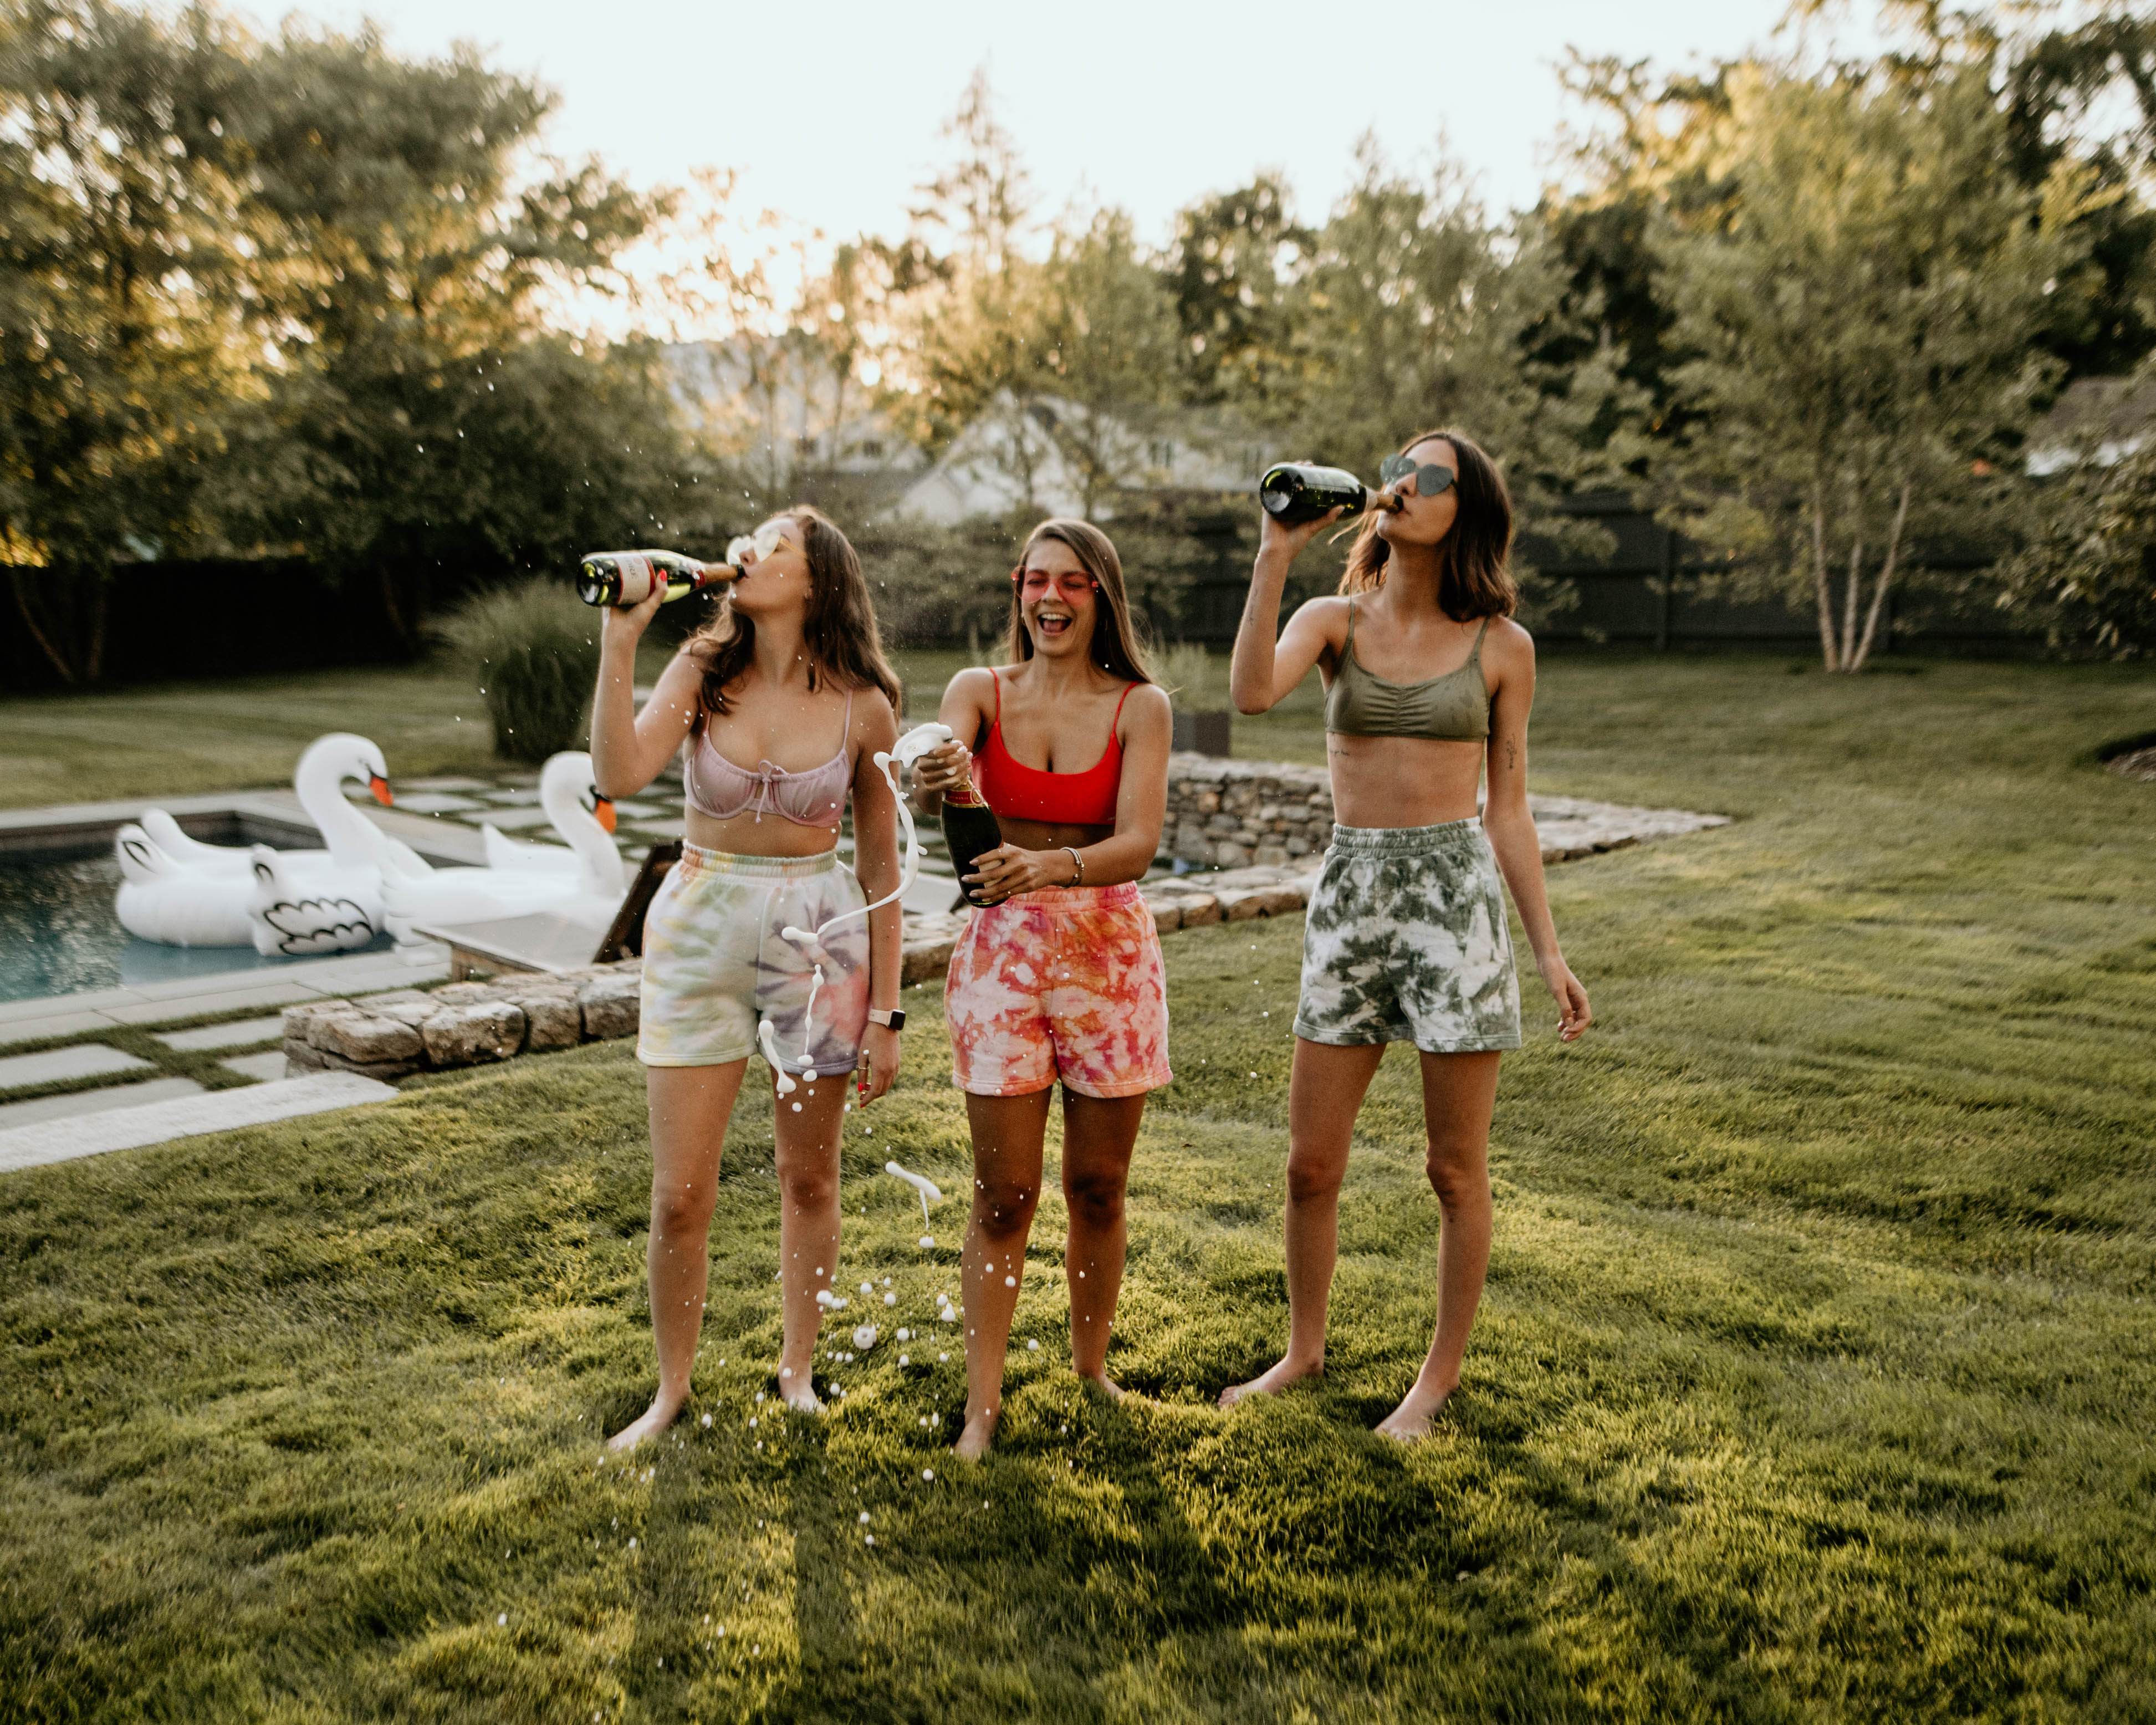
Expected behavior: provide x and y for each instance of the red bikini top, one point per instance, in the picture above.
(1011, 788)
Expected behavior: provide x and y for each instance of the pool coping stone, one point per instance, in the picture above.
(47, 1142)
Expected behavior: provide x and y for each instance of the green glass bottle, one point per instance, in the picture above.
(970, 830)
(627, 577)
(1293, 492)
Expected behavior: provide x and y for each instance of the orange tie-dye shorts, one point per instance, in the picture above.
(1065, 982)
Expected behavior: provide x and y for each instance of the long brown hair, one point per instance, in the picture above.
(1474, 577)
(1117, 649)
(839, 625)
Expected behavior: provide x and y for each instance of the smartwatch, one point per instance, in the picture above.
(896, 1018)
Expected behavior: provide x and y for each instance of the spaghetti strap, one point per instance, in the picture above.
(1118, 719)
(1475, 657)
(1348, 645)
(996, 677)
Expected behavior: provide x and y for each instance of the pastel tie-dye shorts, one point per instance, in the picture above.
(1406, 942)
(1065, 982)
(714, 962)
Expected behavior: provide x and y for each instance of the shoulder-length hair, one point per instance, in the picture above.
(1474, 573)
(1116, 649)
(839, 627)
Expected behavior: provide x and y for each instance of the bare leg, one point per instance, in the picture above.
(689, 1106)
(1007, 1139)
(1325, 1091)
(1459, 1091)
(808, 1154)
(1098, 1135)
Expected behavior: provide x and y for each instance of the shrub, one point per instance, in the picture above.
(2087, 572)
(535, 652)
(1195, 679)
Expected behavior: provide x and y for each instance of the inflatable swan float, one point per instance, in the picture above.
(354, 841)
(572, 800)
(590, 885)
(293, 914)
(180, 892)
(161, 900)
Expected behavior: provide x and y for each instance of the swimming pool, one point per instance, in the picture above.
(60, 934)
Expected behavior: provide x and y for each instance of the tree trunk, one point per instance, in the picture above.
(100, 596)
(1885, 581)
(45, 643)
(1819, 578)
(391, 609)
(1849, 591)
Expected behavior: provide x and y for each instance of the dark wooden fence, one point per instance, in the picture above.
(170, 620)
(1655, 590)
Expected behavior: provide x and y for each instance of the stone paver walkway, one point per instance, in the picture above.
(160, 1122)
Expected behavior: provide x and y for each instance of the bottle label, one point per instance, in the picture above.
(637, 577)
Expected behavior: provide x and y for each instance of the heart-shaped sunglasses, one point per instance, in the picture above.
(1430, 481)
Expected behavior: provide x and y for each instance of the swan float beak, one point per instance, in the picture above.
(380, 786)
(602, 807)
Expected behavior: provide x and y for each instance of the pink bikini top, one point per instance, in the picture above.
(815, 799)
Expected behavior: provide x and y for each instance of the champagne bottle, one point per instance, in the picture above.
(1293, 492)
(627, 577)
(969, 831)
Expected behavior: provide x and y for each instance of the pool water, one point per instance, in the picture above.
(60, 934)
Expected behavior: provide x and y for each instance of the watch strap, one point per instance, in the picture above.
(894, 1018)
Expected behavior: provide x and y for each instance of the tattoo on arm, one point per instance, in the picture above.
(1512, 756)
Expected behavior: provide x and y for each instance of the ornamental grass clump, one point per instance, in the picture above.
(1191, 675)
(535, 652)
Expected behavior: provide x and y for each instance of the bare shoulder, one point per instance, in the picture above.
(875, 721)
(977, 683)
(679, 689)
(1508, 647)
(1327, 614)
(1147, 705)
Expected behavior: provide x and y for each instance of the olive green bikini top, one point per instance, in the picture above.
(1453, 708)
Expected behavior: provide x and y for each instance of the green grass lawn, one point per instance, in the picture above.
(1814, 1381)
(184, 739)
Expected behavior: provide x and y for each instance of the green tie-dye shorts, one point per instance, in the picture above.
(1406, 942)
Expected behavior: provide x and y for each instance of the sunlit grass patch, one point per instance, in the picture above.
(1813, 1379)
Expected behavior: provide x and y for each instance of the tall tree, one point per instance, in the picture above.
(1414, 310)
(1234, 258)
(124, 317)
(409, 261)
(1863, 323)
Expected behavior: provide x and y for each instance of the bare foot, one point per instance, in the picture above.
(798, 1390)
(980, 1432)
(656, 1418)
(1102, 1385)
(1415, 1416)
(1271, 1383)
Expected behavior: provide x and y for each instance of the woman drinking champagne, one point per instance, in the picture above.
(1060, 976)
(788, 698)
(1428, 682)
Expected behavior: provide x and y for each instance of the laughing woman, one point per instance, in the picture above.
(1428, 682)
(1060, 976)
(787, 698)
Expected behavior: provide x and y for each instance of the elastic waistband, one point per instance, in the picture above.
(1407, 841)
(694, 858)
(1075, 898)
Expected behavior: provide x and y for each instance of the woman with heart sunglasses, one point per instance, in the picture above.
(1058, 977)
(1428, 686)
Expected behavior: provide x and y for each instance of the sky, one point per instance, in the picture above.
(832, 113)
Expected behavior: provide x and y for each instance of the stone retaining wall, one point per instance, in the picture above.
(464, 1024)
(1230, 814)
(1264, 825)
